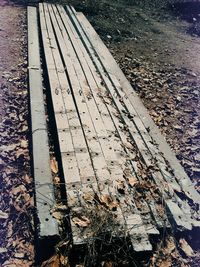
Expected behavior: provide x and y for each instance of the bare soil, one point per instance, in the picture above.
(16, 192)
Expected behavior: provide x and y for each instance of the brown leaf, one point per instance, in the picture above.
(108, 264)
(170, 246)
(20, 153)
(19, 255)
(89, 198)
(107, 201)
(60, 207)
(54, 165)
(23, 128)
(128, 145)
(64, 261)
(24, 144)
(186, 248)
(166, 263)
(132, 181)
(9, 148)
(19, 189)
(56, 180)
(113, 206)
(27, 179)
(52, 262)
(81, 221)
(57, 215)
(121, 187)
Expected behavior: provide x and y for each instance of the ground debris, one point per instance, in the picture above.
(54, 165)
(16, 198)
(186, 248)
(3, 215)
(81, 221)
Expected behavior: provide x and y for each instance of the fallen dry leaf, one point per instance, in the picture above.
(21, 153)
(64, 261)
(121, 187)
(54, 165)
(57, 215)
(3, 250)
(19, 255)
(107, 201)
(24, 128)
(3, 215)
(56, 180)
(27, 179)
(24, 144)
(113, 206)
(132, 181)
(170, 247)
(165, 263)
(19, 189)
(81, 221)
(186, 248)
(89, 198)
(52, 262)
(108, 264)
(128, 145)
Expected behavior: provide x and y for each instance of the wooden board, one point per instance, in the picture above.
(114, 69)
(139, 133)
(44, 192)
(104, 141)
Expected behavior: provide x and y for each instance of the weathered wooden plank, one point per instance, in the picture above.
(139, 131)
(69, 160)
(149, 225)
(86, 170)
(111, 122)
(99, 166)
(84, 66)
(84, 115)
(102, 123)
(157, 175)
(112, 159)
(90, 72)
(96, 115)
(113, 68)
(41, 160)
(144, 133)
(58, 83)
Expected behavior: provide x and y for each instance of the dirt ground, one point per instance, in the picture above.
(16, 195)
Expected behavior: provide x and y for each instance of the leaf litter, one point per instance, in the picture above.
(16, 185)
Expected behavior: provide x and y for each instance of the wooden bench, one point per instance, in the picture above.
(105, 144)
